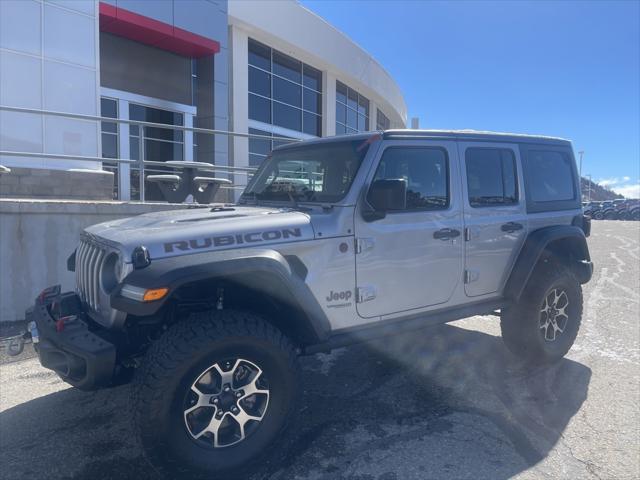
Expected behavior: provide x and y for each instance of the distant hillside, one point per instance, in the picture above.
(598, 193)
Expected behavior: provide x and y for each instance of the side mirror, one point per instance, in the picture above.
(385, 195)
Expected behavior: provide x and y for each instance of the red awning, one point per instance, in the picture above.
(139, 28)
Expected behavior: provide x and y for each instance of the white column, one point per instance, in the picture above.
(373, 114)
(239, 104)
(329, 105)
(124, 170)
(188, 138)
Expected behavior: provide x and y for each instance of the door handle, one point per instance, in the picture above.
(511, 227)
(446, 234)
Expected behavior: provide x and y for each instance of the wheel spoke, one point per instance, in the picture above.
(203, 401)
(562, 312)
(243, 417)
(555, 297)
(252, 388)
(213, 427)
(545, 306)
(225, 377)
(551, 331)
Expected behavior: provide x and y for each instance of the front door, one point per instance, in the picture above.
(494, 214)
(412, 258)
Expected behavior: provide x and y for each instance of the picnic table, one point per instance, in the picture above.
(193, 180)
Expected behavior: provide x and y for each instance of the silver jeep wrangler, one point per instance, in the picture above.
(334, 241)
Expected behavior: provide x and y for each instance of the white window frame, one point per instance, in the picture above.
(124, 98)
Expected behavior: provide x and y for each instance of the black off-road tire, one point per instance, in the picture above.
(175, 361)
(521, 322)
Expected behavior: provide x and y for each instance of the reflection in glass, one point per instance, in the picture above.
(352, 110)
(290, 96)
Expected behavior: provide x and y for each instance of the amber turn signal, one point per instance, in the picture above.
(154, 294)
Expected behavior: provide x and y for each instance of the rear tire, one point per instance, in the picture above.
(543, 325)
(205, 367)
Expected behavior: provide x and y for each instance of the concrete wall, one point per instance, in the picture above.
(37, 237)
(48, 183)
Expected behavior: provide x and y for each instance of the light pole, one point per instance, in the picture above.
(581, 153)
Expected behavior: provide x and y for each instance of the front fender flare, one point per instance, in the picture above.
(263, 269)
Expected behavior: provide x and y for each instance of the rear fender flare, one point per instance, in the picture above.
(567, 238)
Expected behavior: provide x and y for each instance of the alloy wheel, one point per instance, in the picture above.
(553, 314)
(226, 403)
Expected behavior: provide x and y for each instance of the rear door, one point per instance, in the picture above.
(495, 222)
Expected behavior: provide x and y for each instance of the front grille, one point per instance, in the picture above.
(89, 259)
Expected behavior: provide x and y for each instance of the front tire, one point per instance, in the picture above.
(543, 325)
(213, 394)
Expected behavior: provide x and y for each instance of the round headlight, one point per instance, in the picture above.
(108, 277)
(122, 269)
(114, 271)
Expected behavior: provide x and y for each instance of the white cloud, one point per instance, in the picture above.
(608, 182)
(629, 190)
(621, 185)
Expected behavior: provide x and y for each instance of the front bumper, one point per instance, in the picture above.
(68, 342)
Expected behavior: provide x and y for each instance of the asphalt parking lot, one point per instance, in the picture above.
(449, 402)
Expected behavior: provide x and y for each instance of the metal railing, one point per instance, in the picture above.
(141, 163)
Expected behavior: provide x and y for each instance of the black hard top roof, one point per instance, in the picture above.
(407, 134)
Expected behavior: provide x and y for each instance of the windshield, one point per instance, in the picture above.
(309, 173)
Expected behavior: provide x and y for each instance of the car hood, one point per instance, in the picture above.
(178, 232)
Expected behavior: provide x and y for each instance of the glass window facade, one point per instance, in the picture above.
(109, 108)
(352, 110)
(259, 148)
(284, 91)
(382, 122)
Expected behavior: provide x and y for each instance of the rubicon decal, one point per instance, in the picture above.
(228, 240)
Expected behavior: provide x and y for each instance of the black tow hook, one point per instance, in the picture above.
(15, 344)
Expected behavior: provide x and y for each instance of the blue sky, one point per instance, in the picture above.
(569, 69)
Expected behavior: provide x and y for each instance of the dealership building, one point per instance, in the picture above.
(270, 69)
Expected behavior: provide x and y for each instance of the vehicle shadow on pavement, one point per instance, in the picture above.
(444, 402)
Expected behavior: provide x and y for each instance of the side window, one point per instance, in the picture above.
(426, 171)
(551, 176)
(491, 177)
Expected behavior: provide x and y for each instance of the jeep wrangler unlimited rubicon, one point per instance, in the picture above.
(333, 241)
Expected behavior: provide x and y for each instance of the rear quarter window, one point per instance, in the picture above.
(551, 178)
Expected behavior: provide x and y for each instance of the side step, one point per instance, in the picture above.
(384, 328)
